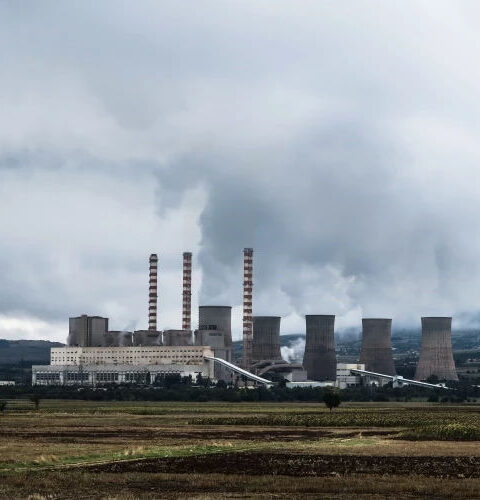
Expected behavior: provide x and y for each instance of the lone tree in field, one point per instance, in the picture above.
(35, 400)
(3, 406)
(331, 398)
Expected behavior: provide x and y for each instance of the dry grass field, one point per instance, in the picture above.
(126, 450)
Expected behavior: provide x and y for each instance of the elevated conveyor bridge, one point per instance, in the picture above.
(240, 371)
(397, 380)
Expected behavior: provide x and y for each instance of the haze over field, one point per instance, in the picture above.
(339, 140)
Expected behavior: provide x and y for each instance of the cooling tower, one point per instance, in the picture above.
(319, 359)
(216, 318)
(436, 356)
(377, 346)
(266, 338)
(177, 337)
(146, 338)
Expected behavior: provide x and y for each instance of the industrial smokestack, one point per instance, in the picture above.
(377, 346)
(218, 318)
(436, 356)
(187, 292)
(152, 293)
(247, 306)
(266, 338)
(320, 360)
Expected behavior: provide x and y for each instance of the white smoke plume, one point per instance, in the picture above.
(294, 352)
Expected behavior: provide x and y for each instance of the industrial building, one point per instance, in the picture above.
(146, 338)
(344, 377)
(376, 353)
(436, 356)
(215, 330)
(99, 365)
(117, 338)
(87, 330)
(177, 337)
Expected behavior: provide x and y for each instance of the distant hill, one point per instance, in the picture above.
(349, 342)
(28, 351)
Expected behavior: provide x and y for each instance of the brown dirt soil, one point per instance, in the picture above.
(286, 434)
(82, 485)
(301, 465)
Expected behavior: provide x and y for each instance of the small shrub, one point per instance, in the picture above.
(35, 400)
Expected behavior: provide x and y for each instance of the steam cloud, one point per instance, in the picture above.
(349, 164)
(294, 352)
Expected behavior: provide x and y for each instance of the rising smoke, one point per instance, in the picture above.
(350, 165)
(293, 353)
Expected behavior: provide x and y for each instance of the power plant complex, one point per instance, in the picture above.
(96, 355)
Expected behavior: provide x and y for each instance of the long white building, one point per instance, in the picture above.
(98, 365)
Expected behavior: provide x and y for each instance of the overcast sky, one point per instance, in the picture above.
(340, 140)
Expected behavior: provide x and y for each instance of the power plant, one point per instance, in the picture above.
(94, 354)
(376, 352)
(320, 359)
(436, 356)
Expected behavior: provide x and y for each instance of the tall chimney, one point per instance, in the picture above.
(187, 292)
(152, 293)
(247, 306)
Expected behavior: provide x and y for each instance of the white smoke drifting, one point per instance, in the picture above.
(294, 352)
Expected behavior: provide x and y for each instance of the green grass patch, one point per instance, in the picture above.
(133, 453)
(442, 432)
(349, 418)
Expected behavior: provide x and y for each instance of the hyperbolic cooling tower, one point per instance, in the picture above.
(436, 356)
(266, 338)
(377, 346)
(320, 360)
(216, 318)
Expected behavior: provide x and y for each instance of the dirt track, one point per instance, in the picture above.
(253, 463)
(289, 434)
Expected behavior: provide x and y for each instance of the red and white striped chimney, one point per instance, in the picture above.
(187, 292)
(247, 306)
(152, 293)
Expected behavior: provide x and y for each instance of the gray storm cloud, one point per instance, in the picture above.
(338, 140)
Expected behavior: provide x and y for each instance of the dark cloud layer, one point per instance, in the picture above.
(338, 140)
